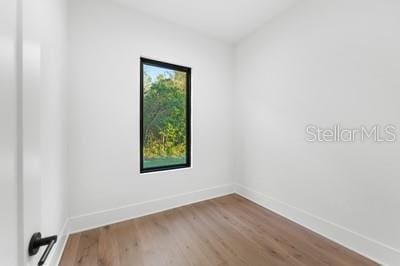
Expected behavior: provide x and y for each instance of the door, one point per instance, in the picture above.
(8, 134)
(30, 126)
(20, 176)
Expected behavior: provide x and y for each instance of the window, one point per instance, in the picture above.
(164, 116)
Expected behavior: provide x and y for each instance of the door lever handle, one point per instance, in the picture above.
(37, 241)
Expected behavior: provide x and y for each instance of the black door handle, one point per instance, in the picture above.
(37, 241)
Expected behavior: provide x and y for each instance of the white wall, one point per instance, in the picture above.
(323, 62)
(105, 44)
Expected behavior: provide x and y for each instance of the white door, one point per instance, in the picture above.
(20, 176)
(30, 123)
(8, 134)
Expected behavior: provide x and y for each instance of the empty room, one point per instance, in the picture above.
(188, 132)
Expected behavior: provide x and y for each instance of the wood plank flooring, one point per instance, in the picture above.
(228, 230)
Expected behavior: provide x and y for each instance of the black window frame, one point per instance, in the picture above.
(188, 71)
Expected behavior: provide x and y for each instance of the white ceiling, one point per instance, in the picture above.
(227, 20)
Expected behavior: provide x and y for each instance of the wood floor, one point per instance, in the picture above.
(224, 231)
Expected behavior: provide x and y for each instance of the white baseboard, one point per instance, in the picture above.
(55, 255)
(368, 247)
(97, 219)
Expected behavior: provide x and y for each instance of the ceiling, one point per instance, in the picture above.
(227, 20)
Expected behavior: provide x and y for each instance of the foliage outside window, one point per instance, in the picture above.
(165, 116)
